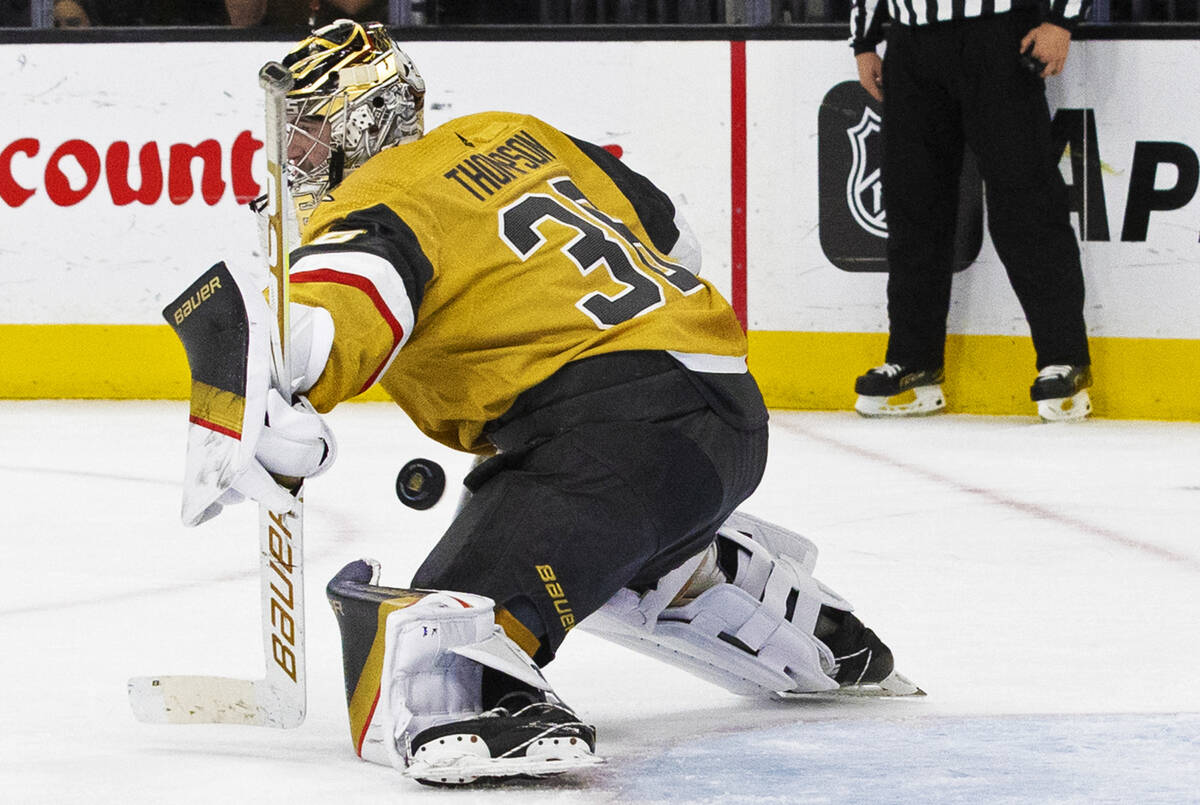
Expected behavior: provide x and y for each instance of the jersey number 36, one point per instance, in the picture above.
(602, 240)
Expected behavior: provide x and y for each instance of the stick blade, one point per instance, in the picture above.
(212, 700)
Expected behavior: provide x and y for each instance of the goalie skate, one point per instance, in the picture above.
(538, 740)
(464, 770)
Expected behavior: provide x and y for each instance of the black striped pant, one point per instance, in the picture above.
(955, 83)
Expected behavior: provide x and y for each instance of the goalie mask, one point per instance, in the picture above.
(355, 94)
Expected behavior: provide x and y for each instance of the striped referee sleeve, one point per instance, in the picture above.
(866, 24)
(1068, 13)
(867, 16)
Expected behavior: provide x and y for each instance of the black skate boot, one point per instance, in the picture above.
(520, 737)
(862, 658)
(1061, 392)
(878, 386)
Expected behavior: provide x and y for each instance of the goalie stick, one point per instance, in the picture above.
(279, 698)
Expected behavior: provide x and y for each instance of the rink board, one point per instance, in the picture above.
(745, 136)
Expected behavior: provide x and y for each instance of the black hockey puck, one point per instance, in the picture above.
(420, 483)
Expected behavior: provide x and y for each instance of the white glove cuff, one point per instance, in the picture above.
(311, 340)
(254, 483)
(296, 441)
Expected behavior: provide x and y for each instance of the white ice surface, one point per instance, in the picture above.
(1042, 583)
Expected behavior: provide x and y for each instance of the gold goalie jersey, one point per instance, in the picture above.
(470, 265)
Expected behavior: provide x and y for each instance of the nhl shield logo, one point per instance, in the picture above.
(853, 218)
(864, 190)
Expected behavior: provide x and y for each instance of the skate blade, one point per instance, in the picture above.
(919, 401)
(466, 769)
(1066, 409)
(895, 685)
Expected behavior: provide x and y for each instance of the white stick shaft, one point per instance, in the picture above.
(281, 538)
(276, 81)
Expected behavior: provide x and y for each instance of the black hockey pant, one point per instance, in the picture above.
(598, 489)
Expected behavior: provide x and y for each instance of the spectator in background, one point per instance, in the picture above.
(15, 14)
(132, 13)
(310, 13)
(488, 12)
(72, 14)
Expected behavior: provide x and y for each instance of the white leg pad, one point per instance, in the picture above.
(775, 566)
(776, 539)
(434, 654)
(752, 635)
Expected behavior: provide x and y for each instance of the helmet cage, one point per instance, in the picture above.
(366, 97)
(345, 127)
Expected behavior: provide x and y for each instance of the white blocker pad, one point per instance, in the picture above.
(752, 634)
(433, 662)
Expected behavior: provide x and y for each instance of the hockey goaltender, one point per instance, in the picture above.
(524, 296)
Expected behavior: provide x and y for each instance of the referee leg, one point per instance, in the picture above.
(922, 159)
(1008, 126)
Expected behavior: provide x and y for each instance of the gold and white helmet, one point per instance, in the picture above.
(355, 93)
